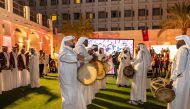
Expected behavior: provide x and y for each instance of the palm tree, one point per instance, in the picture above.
(83, 27)
(178, 18)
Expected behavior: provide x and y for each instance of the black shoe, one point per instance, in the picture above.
(119, 86)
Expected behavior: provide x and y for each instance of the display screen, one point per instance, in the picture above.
(111, 45)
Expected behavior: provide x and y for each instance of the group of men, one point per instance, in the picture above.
(19, 68)
(76, 95)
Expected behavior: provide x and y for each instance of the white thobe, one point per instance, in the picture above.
(138, 88)
(72, 97)
(24, 73)
(46, 62)
(121, 78)
(15, 75)
(181, 84)
(34, 71)
(6, 76)
(88, 91)
(102, 83)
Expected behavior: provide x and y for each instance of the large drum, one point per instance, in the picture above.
(100, 69)
(160, 92)
(129, 71)
(87, 74)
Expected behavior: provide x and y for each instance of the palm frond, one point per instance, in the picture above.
(179, 17)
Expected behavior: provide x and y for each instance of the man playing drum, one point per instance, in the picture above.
(124, 59)
(141, 64)
(180, 74)
(80, 48)
(72, 98)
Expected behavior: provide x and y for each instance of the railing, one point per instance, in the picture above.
(33, 16)
(2, 4)
(18, 9)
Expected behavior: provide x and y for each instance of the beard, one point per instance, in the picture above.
(72, 46)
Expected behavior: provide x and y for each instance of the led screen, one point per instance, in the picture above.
(111, 45)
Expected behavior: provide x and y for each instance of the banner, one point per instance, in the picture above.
(145, 35)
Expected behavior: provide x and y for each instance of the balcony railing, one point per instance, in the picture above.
(18, 9)
(33, 16)
(2, 4)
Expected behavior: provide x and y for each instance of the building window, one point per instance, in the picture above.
(115, 14)
(156, 11)
(54, 2)
(77, 1)
(115, 0)
(66, 16)
(115, 28)
(129, 13)
(43, 2)
(142, 27)
(102, 0)
(155, 27)
(90, 15)
(102, 14)
(142, 12)
(77, 16)
(129, 28)
(65, 2)
(102, 29)
(31, 3)
(89, 1)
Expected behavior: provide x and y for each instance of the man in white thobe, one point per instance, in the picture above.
(180, 74)
(6, 70)
(141, 64)
(22, 67)
(14, 67)
(34, 69)
(124, 59)
(72, 97)
(80, 48)
(103, 58)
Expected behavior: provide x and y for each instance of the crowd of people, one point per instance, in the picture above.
(161, 64)
(76, 95)
(21, 68)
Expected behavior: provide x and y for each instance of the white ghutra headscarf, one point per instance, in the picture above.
(81, 41)
(185, 38)
(147, 53)
(66, 38)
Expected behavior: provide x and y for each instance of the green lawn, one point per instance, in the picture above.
(48, 97)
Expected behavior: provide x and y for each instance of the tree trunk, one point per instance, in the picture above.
(184, 31)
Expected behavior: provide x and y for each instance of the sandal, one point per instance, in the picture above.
(132, 102)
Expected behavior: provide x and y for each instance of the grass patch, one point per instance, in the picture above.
(48, 97)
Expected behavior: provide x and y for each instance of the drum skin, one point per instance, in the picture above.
(165, 95)
(129, 71)
(87, 74)
(100, 69)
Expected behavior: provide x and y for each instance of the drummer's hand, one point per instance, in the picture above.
(169, 85)
(80, 57)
